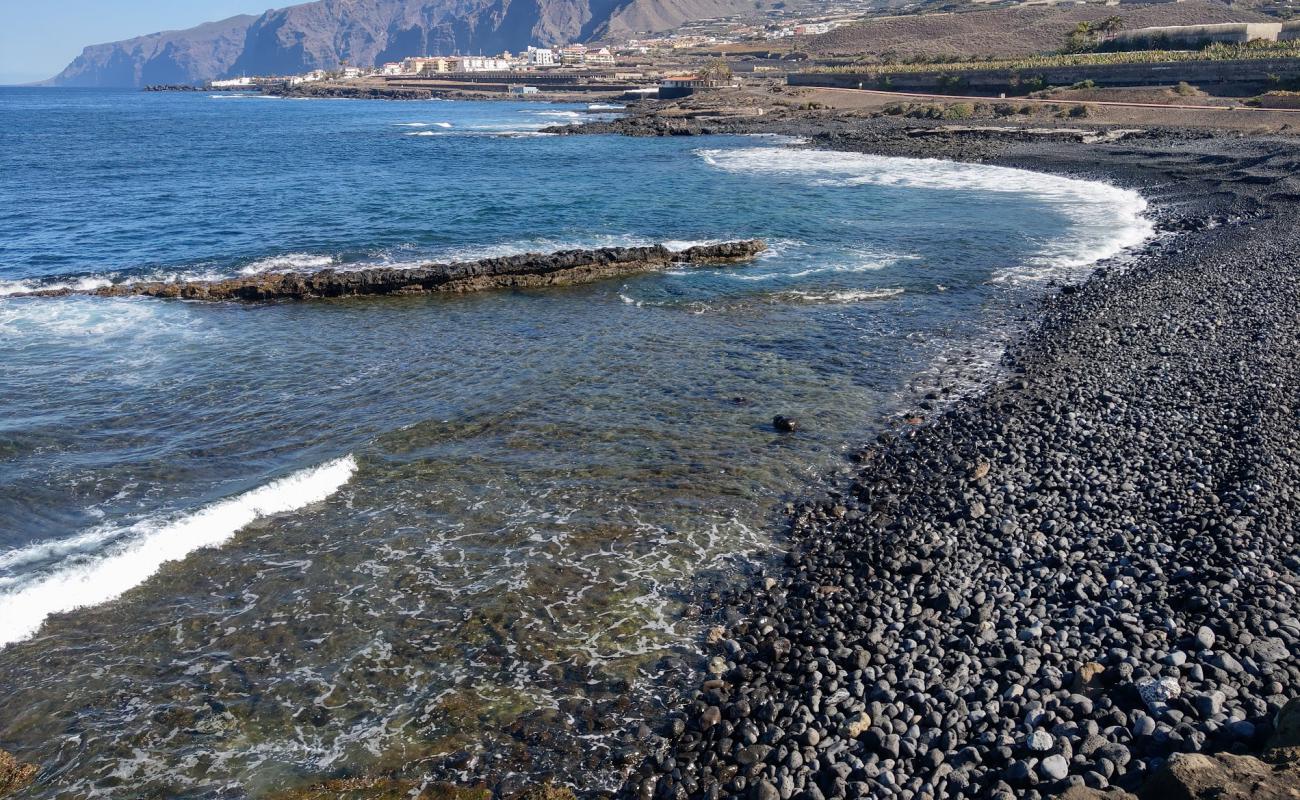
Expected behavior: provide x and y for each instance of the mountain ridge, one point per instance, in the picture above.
(323, 33)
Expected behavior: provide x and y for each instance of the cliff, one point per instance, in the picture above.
(323, 34)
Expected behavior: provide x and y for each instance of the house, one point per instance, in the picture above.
(687, 85)
(480, 64)
(541, 57)
(573, 55)
(427, 65)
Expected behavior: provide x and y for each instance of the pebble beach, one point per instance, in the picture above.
(1083, 579)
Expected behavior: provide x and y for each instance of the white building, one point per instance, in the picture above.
(426, 65)
(310, 77)
(599, 58)
(481, 64)
(232, 83)
(541, 57)
(573, 55)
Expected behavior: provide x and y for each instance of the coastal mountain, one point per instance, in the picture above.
(168, 57)
(322, 34)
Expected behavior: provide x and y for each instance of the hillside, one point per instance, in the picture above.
(168, 57)
(319, 35)
(1004, 32)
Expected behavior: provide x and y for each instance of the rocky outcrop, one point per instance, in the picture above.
(1193, 776)
(14, 775)
(530, 270)
(354, 92)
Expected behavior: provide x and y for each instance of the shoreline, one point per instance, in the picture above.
(1005, 602)
(856, 556)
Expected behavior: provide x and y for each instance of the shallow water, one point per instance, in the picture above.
(248, 547)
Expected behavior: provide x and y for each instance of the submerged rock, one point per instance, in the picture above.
(785, 424)
(384, 789)
(14, 775)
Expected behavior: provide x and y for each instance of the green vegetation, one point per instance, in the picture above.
(1010, 109)
(954, 111)
(1185, 89)
(1087, 35)
(959, 111)
(1215, 52)
(950, 83)
(717, 70)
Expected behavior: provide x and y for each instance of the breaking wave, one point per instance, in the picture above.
(100, 565)
(1108, 220)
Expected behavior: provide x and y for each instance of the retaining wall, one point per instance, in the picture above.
(994, 81)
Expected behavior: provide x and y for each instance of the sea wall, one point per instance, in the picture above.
(530, 270)
(994, 81)
(1193, 37)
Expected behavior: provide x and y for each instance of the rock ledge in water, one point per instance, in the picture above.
(530, 270)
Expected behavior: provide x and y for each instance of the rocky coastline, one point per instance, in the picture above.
(527, 271)
(354, 92)
(1084, 580)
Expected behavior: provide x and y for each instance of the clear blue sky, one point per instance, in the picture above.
(39, 37)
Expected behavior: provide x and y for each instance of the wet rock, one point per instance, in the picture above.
(562, 268)
(785, 424)
(709, 717)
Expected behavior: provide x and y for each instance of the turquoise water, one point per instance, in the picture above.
(246, 548)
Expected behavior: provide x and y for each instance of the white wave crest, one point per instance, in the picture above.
(868, 261)
(847, 296)
(289, 262)
(85, 283)
(1107, 220)
(136, 553)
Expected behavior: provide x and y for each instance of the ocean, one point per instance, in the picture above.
(247, 548)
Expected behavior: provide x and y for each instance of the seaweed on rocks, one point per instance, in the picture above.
(14, 775)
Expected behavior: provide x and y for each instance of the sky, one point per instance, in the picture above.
(39, 37)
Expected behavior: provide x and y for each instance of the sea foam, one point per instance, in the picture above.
(131, 555)
(1108, 220)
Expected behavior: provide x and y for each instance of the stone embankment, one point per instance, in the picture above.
(526, 271)
(353, 92)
